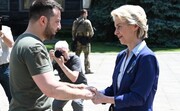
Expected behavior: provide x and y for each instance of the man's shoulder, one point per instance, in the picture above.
(74, 57)
(87, 20)
(75, 20)
(28, 40)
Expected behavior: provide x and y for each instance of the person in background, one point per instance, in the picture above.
(69, 70)
(82, 32)
(32, 81)
(136, 72)
(6, 44)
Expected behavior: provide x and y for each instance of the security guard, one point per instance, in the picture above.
(82, 32)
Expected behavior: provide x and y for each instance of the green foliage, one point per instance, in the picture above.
(102, 20)
(106, 47)
(163, 19)
(63, 33)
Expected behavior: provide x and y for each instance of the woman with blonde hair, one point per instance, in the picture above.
(136, 71)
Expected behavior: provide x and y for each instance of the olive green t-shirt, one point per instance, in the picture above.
(29, 57)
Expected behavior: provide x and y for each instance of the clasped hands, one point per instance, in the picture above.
(97, 97)
(89, 93)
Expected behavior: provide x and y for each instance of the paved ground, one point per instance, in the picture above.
(168, 94)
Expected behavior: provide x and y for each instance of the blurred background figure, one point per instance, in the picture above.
(69, 70)
(6, 44)
(82, 32)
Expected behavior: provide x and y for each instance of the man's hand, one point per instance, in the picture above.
(51, 54)
(60, 60)
(87, 91)
(88, 94)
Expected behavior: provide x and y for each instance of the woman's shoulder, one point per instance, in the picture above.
(147, 51)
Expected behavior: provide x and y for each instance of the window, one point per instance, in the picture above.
(4, 5)
(25, 4)
(73, 5)
(86, 4)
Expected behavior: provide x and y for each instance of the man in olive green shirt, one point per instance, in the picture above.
(32, 80)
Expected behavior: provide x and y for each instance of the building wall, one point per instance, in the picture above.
(14, 17)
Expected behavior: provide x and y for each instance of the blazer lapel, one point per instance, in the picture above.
(117, 71)
(128, 70)
(131, 65)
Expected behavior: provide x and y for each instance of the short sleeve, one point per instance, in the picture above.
(37, 60)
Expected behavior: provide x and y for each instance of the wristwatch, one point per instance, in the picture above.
(2, 35)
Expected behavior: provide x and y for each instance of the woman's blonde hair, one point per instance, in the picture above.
(134, 15)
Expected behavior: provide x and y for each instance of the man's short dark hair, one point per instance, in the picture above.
(43, 8)
(83, 11)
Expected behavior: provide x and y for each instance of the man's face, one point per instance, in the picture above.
(53, 25)
(85, 15)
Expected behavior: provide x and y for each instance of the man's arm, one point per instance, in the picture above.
(59, 90)
(72, 75)
(90, 28)
(73, 30)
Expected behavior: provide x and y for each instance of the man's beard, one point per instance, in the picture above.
(48, 33)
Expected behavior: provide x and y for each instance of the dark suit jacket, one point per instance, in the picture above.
(139, 83)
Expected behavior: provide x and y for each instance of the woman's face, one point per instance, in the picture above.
(124, 31)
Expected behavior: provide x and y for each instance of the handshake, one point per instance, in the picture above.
(91, 93)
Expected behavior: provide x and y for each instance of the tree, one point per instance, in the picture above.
(163, 19)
